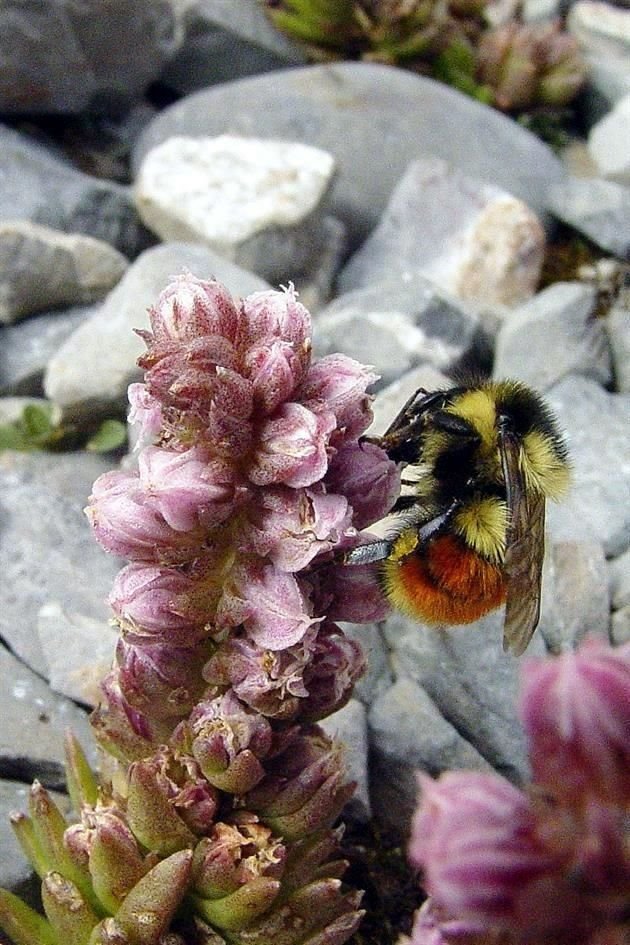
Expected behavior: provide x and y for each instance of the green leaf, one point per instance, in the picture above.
(23, 924)
(37, 421)
(12, 438)
(110, 435)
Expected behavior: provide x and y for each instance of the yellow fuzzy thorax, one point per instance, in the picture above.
(482, 523)
(543, 469)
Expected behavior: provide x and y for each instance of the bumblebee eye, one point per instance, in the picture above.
(451, 423)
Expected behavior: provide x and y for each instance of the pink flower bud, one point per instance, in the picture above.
(126, 523)
(145, 414)
(157, 680)
(474, 837)
(155, 605)
(270, 682)
(270, 315)
(275, 370)
(350, 593)
(292, 526)
(335, 665)
(433, 927)
(234, 854)
(228, 739)
(120, 729)
(576, 711)
(191, 308)
(180, 780)
(338, 384)
(268, 603)
(292, 447)
(369, 480)
(189, 490)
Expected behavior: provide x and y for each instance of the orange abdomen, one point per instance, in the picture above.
(444, 583)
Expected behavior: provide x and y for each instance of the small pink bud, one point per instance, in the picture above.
(126, 523)
(270, 682)
(292, 447)
(335, 665)
(145, 414)
(275, 370)
(121, 730)
(369, 480)
(191, 308)
(228, 739)
(350, 593)
(268, 603)
(189, 490)
(154, 604)
(338, 384)
(292, 526)
(270, 315)
(576, 712)
(157, 679)
(234, 854)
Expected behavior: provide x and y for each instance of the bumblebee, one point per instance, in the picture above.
(480, 463)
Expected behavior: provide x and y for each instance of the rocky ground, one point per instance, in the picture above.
(427, 233)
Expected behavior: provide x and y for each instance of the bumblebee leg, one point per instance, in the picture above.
(368, 554)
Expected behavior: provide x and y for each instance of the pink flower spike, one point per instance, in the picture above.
(368, 479)
(189, 489)
(576, 712)
(337, 383)
(292, 447)
(269, 604)
(275, 370)
(270, 315)
(474, 837)
(190, 308)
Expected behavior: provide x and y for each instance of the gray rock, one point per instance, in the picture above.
(620, 626)
(15, 872)
(603, 33)
(41, 267)
(349, 726)
(378, 676)
(226, 41)
(397, 325)
(473, 683)
(408, 733)
(598, 208)
(79, 651)
(608, 142)
(46, 550)
(26, 348)
(374, 120)
(553, 335)
(596, 424)
(257, 202)
(470, 238)
(58, 56)
(619, 575)
(580, 604)
(38, 186)
(96, 364)
(618, 325)
(34, 721)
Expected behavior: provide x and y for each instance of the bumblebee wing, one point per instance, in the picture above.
(524, 552)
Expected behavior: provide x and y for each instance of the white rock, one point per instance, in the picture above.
(252, 200)
(78, 649)
(609, 143)
(603, 33)
(41, 267)
(470, 238)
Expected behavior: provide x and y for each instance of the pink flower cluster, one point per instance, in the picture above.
(250, 478)
(552, 864)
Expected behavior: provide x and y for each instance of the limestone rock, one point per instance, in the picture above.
(609, 142)
(41, 267)
(470, 238)
(253, 201)
(553, 335)
(598, 208)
